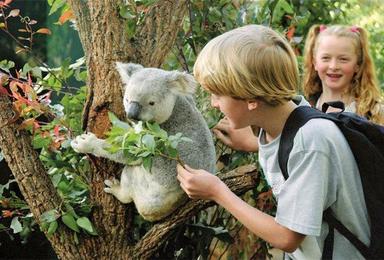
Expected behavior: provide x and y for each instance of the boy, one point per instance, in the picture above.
(252, 75)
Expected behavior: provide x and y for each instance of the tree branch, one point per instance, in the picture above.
(239, 181)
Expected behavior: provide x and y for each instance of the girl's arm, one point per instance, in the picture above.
(199, 184)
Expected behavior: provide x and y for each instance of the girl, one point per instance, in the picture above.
(338, 66)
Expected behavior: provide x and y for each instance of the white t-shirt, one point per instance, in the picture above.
(322, 173)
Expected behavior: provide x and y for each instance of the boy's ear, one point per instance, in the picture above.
(252, 104)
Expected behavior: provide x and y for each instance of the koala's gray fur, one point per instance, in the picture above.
(165, 97)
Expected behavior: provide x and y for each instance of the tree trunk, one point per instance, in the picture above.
(104, 41)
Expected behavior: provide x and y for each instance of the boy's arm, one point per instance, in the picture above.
(260, 223)
(199, 184)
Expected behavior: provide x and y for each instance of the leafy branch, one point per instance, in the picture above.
(141, 141)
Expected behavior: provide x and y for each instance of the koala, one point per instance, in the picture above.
(164, 97)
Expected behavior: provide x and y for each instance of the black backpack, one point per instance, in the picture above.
(366, 141)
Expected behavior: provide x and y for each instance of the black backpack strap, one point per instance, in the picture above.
(334, 223)
(329, 240)
(336, 104)
(296, 119)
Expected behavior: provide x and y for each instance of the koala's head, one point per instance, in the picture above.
(149, 93)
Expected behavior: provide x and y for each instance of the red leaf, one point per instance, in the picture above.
(5, 3)
(3, 91)
(290, 32)
(67, 15)
(7, 213)
(36, 125)
(56, 130)
(44, 31)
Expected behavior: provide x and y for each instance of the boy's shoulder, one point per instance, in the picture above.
(320, 135)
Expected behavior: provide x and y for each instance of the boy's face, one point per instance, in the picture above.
(336, 62)
(236, 110)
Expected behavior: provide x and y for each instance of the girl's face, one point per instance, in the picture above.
(236, 110)
(336, 62)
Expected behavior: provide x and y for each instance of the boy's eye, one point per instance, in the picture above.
(151, 103)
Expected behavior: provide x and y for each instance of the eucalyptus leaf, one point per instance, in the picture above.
(149, 141)
(49, 216)
(86, 224)
(117, 122)
(16, 225)
(147, 163)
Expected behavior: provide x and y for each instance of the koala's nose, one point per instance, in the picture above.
(133, 110)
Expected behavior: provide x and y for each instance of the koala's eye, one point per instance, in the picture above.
(151, 103)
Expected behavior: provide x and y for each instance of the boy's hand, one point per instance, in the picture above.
(238, 139)
(198, 184)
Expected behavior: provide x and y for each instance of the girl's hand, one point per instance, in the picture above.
(238, 139)
(198, 184)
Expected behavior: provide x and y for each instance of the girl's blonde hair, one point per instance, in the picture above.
(250, 62)
(364, 86)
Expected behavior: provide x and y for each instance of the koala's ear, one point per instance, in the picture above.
(181, 82)
(127, 69)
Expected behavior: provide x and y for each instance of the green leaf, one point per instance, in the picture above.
(149, 142)
(6, 186)
(70, 222)
(56, 5)
(147, 163)
(131, 28)
(56, 179)
(172, 152)
(144, 154)
(6, 65)
(86, 224)
(126, 13)
(16, 225)
(155, 128)
(52, 228)
(282, 7)
(49, 216)
(39, 141)
(117, 122)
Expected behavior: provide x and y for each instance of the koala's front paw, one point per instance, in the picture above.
(84, 143)
(112, 186)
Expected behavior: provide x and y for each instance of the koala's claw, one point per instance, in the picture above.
(112, 185)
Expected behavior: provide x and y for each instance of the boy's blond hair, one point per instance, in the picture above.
(364, 85)
(250, 62)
